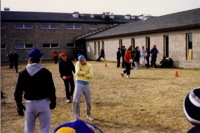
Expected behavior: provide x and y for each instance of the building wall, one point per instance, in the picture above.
(177, 47)
(37, 36)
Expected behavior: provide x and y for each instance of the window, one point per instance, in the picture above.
(102, 45)
(23, 46)
(166, 45)
(133, 42)
(93, 27)
(120, 43)
(148, 43)
(23, 26)
(189, 54)
(3, 26)
(74, 26)
(74, 45)
(50, 45)
(95, 48)
(99, 50)
(49, 26)
(3, 46)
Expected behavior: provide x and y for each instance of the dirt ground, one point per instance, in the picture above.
(151, 101)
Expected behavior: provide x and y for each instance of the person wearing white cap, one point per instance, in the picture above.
(83, 74)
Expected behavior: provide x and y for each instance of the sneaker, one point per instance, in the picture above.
(122, 74)
(76, 118)
(90, 118)
(68, 101)
(128, 76)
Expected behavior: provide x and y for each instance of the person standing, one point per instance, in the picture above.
(118, 57)
(147, 57)
(83, 74)
(102, 55)
(36, 85)
(123, 50)
(143, 56)
(10, 56)
(55, 57)
(128, 62)
(15, 60)
(66, 69)
(154, 52)
(136, 58)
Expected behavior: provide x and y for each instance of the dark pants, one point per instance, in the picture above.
(128, 68)
(16, 66)
(55, 60)
(11, 64)
(69, 92)
(118, 62)
(153, 61)
(147, 58)
(101, 56)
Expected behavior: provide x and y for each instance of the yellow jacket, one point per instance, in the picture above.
(83, 72)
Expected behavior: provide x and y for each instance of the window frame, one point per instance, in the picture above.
(50, 45)
(73, 26)
(24, 46)
(48, 26)
(23, 26)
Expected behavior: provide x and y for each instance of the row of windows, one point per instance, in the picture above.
(49, 26)
(188, 47)
(45, 45)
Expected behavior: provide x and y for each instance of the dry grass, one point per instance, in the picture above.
(149, 102)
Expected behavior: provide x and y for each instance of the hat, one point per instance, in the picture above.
(78, 126)
(81, 57)
(63, 53)
(191, 107)
(35, 53)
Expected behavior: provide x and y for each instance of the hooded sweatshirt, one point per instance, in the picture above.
(36, 83)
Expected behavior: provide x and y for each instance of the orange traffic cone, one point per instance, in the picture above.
(106, 65)
(176, 74)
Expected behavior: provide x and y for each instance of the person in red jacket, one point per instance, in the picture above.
(128, 61)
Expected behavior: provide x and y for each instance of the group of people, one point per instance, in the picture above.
(131, 57)
(13, 60)
(136, 53)
(35, 84)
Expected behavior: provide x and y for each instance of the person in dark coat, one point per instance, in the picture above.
(66, 69)
(118, 57)
(102, 55)
(15, 60)
(10, 56)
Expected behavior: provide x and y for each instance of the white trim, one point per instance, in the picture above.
(188, 117)
(194, 99)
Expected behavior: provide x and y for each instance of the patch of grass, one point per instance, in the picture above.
(150, 101)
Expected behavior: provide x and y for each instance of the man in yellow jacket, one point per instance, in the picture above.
(83, 73)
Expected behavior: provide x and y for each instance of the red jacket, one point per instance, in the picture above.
(127, 56)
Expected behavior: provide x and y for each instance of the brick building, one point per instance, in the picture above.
(22, 31)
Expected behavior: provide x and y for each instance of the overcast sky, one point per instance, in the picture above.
(118, 7)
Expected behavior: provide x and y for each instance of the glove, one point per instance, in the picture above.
(20, 109)
(52, 105)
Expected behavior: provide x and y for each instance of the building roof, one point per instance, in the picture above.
(16, 16)
(176, 21)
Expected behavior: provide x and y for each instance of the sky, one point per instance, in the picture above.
(118, 7)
